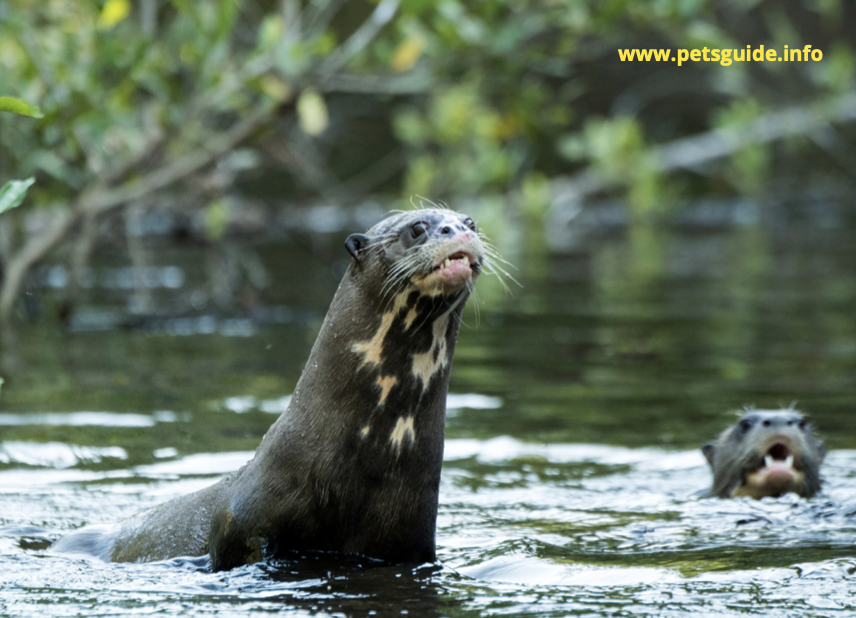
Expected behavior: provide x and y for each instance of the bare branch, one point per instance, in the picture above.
(381, 16)
(304, 163)
(374, 174)
(80, 252)
(413, 82)
(316, 17)
(28, 255)
(155, 138)
(98, 200)
(693, 152)
(690, 152)
(181, 167)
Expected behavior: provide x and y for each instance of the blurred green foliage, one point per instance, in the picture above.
(104, 82)
(749, 166)
(505, 88)
(445, 99)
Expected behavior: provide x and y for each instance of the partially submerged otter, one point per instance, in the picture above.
(353, 464)
(766, 453)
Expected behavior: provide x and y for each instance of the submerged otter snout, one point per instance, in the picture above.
(766, 453)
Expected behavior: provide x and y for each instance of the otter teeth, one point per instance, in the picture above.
(789, 461)
(449, 261)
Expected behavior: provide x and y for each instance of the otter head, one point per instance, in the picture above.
(400, 303)
(766, 453)
(435, 252)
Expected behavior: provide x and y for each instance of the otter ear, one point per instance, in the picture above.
(709, 451)
(355, 244)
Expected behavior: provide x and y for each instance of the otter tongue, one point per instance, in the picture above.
(455, 272)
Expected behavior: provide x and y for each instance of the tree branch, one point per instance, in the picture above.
(693, 152)
(381, 16)
(180, 168)
(24, 259)
(690, 152)
(98, 200)
(413, 82)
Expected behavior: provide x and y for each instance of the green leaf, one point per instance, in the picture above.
(216, 218)
(17, 106)
(312, 112)
(113, 12)
(13, 192)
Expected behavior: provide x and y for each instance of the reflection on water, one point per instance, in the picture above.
(103, 419)
(55, 454)
(572, 464)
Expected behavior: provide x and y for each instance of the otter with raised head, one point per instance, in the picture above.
(353, 464)
(766, 453)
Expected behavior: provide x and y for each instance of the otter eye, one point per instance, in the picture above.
(470, 224)
(746, 424)
(801, 424)
(418, 229)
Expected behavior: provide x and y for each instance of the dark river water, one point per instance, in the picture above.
(577, 406)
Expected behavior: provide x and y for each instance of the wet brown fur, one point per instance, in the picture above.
(740, 451)
(353, 464)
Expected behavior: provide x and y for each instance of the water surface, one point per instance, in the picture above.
(572, 471)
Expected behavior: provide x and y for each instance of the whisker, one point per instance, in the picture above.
(408, 262)
(492, 252)
(425, 199)
(389, 288)
(402, 272)
(471, 288)
(491, 265)
(496, 256)
(489, 268)
(490, 262)
(379, 242)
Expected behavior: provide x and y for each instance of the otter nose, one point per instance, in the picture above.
(445, 230)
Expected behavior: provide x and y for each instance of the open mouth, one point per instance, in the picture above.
(456, 260)
(778, 457)
(774, 476)
(455, 271)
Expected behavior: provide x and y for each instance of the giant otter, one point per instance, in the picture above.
(766, 453)
(353, 464)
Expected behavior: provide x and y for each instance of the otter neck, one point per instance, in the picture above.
(378, 376)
